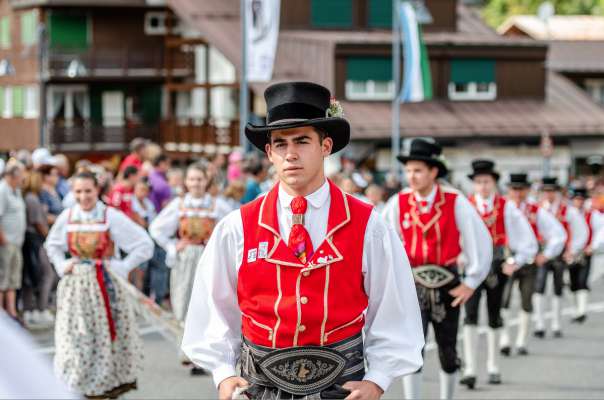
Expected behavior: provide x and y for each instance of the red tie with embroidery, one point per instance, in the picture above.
(299, 239)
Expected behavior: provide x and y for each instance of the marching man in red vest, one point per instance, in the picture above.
(576, 238)
(288, 283)
(514, 246)
(551, 238)
(437, 224)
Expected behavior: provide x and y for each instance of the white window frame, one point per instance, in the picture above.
(31, 102)
(370, 93)
(595, 88)
(69, 91)
(8, 102)
(472, 94)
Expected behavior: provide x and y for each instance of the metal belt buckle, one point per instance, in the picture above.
(432, 276)
(303, 370)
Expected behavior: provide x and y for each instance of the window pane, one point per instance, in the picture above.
(381, 87)
(1, 101)
(18, 101)
(472, 70)
(331, 13)
(5, 33)
(461, 87)
(482, 87)
(29, 28)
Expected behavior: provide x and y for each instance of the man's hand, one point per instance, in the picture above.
(509, 269)
(462, 293)
(70, 264)
(227, 387)
(540, 260)
(363, 390)
(588, 250)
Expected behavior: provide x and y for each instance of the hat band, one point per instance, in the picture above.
(287, 121)
(294, 112)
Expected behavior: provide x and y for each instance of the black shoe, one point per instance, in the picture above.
(557, 334)
(195, 371)
(539, 334)
(469, 381)
(494, 379)
(579, 320)
(522, 351)
(505, 351)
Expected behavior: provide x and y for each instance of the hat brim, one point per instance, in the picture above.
(336, 128)
(552, 188)
(494, 174)
(442, 170)
(519, 185)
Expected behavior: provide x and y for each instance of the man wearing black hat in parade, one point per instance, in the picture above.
(551, 238)
(436, 224)
(514, 246)
(579, 269)
(288, 283)
(576, 238)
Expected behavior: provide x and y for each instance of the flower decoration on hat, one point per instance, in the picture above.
(335, 109)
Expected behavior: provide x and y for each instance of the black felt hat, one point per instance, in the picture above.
(578, 192)
(550, 183)
(297, 104)
(483, 167)
(427, 151)
(519, 181)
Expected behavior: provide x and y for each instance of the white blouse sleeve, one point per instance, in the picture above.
(521, 238)
(163, 230)
(394, 335)
(212, 335)
(56, 243)
(129, 237)
(579, 231)
(552, 232)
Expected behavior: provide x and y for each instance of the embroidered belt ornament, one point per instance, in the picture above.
(432, 276)
(303, 370)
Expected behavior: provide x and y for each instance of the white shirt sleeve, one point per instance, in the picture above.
(553, 233)
(521, 238)
(129, 237)
(597, 226)
(56, 243)
(390, 213)
(579, 231)
(163, 230)
(394, 335)
(476, 242)
(212, 335)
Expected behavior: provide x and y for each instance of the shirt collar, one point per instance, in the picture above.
(488, 201)
(429, 198)
(315, 199)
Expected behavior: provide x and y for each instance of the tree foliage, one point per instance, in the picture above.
(496, 12)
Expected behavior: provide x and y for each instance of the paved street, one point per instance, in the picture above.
(570, 367)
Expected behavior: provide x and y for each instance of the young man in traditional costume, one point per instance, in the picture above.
(437, 224)
(288, 283)
(514, 247)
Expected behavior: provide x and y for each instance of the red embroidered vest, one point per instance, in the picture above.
(432, 237)
(89, 240)
(494, 220)
(285, 303)
(531, 210)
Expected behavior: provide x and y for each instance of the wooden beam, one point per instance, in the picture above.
(186, 87)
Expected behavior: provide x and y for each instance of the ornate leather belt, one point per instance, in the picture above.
(432, 276)
(303, 370)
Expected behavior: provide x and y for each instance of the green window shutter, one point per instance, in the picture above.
(369, 68)
(29, 26)
(69, 31)
(380, 13)
(472, 70)
(151, 104)
(5, 33)
(331, 13)
(1, 101)
(18, 101)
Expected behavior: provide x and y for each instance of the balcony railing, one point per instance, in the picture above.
(187, 136)
(88, 137)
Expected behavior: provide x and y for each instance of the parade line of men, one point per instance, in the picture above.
(308, 292)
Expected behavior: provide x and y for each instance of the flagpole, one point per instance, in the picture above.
(396, 73)
(243, 86)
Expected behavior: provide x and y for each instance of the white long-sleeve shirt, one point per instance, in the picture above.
(551, 231)
(597, 231)
(393, 330)
(126, 235)
(521, 238)
(476, 243)
(164, 227)
(579, 232)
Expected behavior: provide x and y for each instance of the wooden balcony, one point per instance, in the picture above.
(188, 137)
(90, 138)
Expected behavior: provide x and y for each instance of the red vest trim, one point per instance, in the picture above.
(588, 215)
(494, 220)
(285, 303)
(561, 216)
(432, 237)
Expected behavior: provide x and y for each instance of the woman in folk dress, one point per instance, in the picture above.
(183, 228)
(98, 349)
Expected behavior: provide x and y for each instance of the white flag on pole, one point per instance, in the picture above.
(262, 34)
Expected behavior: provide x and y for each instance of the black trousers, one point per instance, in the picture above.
(493, 286)
(556, 267)
(579, 273)
(525, 277)
(435, 307)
